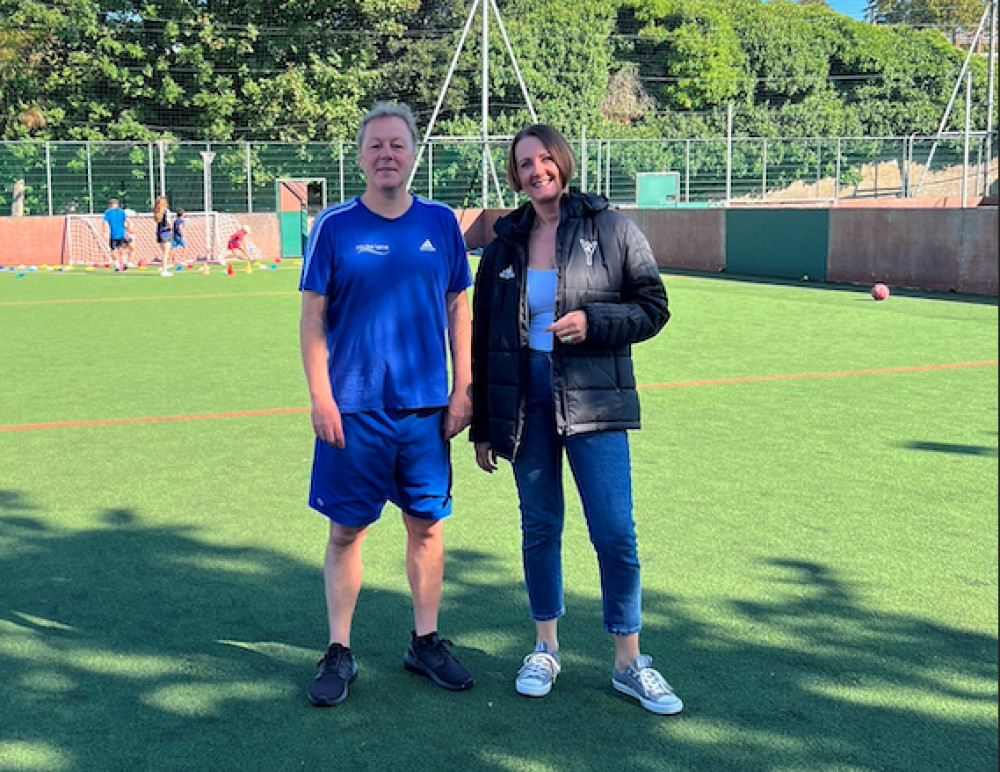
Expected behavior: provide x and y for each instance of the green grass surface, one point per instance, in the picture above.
(816, 500)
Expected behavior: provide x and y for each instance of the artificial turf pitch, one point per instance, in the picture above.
(815, 493)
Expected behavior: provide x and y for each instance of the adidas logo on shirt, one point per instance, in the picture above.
(427, 246)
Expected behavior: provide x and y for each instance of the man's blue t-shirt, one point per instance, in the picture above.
(386, 281)
(115, 218)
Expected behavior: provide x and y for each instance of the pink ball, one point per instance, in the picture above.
(880, 291)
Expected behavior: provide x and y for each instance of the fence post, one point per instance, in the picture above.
(819, 167)
(687, 171)
(249, 178)
(607, 166)
(48, 175)
(161, 146)
(836, 179)
(729, 152)
(341, 172)
(430, 170)
(583, 157)
(763, 169)
(90, 181)
(152, 184)
(599, 165)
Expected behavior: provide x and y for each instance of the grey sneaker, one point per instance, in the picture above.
(539, 672)
(641, 681)
(337, 671)
(430, 656)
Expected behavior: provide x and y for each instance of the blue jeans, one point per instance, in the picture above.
(600, 465)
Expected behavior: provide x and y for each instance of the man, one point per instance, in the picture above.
(114, 220)
(384, 275)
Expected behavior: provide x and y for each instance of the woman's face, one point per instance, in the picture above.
(537, 172)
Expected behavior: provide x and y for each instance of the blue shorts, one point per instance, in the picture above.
(389, 455)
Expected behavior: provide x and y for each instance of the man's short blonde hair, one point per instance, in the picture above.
(389, 110)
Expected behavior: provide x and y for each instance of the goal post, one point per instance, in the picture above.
(206, 234)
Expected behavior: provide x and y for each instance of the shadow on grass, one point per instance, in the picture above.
(135, 647)
(950, 447)
(860, 289)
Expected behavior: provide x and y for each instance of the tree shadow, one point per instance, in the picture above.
(130, 646)
(862, 290)
(951, 447)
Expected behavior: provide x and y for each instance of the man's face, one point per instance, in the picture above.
(386, 154)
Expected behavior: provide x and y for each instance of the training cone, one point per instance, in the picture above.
(229, 269)
(249, 268)
(204, 269)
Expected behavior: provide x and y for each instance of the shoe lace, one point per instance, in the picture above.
(653, 684)
(539, 666)
(332, 659)
(439, 647)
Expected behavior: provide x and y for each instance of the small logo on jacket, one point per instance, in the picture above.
(427, 246)
(588, 248)
(507, 273)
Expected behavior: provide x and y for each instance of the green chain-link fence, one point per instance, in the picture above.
(52, 178)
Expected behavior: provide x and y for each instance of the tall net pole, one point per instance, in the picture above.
(207, 156)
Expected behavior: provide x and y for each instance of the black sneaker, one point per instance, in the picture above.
(428, 655)
(336, 670)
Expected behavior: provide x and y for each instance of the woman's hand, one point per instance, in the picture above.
(485, 457)
(570, 329)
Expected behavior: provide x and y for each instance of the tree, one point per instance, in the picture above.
(691, 48)
(225, 69)
(944, 15)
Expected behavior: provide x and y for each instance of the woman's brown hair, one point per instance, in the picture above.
(555, 143)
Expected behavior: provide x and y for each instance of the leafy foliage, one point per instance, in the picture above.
(301, 71)
(945, 15)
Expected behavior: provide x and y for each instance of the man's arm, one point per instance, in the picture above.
(315, 355)
(460, 339)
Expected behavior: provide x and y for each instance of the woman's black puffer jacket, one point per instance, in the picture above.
(606, 269)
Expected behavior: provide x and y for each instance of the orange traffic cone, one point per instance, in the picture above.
(229, 269)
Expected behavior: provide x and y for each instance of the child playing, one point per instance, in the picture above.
(237, 248)
(178, 245)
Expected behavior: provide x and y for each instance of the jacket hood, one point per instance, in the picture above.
(572, 204)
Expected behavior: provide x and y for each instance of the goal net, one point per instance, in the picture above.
(206, 235)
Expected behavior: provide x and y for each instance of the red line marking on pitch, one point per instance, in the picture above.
(154, 419)
(287, 410)
(800, 376)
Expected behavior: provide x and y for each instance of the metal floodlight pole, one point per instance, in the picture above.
(954, 94)
(513, 61)
(488, 168)
(991, 61)
(485, 104)
(444, 88)
(207, 156)
(968, 127)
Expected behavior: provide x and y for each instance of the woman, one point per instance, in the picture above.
(164, 233)
(561, 295)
